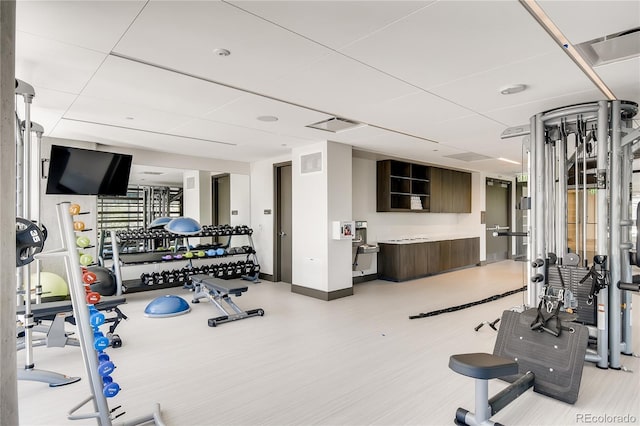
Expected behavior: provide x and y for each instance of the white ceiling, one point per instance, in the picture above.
(423, 75)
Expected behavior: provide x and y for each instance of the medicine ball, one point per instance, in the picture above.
(106, 282)
(54, 287)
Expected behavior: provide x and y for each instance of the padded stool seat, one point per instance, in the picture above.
(482, 365)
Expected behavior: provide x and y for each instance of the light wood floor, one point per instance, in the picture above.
(353, 361)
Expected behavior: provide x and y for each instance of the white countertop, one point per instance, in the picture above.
(423, 239)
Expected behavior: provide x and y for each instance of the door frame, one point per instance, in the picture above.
(276, 218)
(509, 214)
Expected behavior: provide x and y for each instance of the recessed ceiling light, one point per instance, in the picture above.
(513, 88)
(267, 118)
(221, 52)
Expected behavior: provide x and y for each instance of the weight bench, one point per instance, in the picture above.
(526, 358)
(61, 311)
(217, 290)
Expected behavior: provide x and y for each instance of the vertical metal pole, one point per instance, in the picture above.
(550, 169)
(625, 272)
(116, 262)
(538, 201)
(26, 210)
(575, 195)
(616, 258)
(34, 193)
(81, 313)
(602, 230)
(561, 196)
(584, 190)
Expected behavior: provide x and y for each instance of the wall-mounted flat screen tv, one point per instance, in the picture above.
(86, 172)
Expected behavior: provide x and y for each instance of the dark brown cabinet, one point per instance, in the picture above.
(409, 187)
(450, 191)
(402, 187)
(402, 262)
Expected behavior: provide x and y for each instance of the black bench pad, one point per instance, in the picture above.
(223, 286)
(482, 365)
(43, 310)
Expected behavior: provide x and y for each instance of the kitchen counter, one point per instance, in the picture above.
(407, 259)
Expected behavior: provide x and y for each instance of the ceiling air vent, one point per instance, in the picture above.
(468, 156)
(148, 172)
(336, 125)
(612, 48)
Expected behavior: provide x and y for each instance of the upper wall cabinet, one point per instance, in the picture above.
(450, 191)
(408, 187)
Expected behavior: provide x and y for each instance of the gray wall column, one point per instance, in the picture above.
(8, 372)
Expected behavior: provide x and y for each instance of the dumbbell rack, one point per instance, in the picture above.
(85, 331)
(178, 277)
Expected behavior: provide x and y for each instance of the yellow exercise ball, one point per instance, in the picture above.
(54, 287)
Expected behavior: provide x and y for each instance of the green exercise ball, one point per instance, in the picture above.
(54, 287)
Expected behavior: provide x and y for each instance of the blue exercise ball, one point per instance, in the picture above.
(166, 306)
(159, 222)
(184, 226)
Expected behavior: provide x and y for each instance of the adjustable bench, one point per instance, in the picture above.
(61, 311)
(217, 290)
(526, 358)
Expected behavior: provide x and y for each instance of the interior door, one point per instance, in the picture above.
(283, 223)
(498, 196)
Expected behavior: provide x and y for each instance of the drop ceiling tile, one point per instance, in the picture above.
(584, 20)
(112, 113)
(521, 114)
(161, 143)
(96, 25)
(54, 65)
(292, 119)
(476, 133)
(240, 136)
(545, 76)
(453, 39)
(122, 80)
(338, 85)
(183, 34)
(332, 23)
(623, 78)
(414, 113)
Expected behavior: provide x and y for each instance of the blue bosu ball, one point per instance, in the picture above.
(166, 306)
(159, 222)
(183, 226)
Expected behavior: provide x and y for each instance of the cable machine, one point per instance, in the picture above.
(580, 168)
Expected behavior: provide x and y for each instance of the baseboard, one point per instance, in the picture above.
(322, 295)
(265, 277)
(365, 278)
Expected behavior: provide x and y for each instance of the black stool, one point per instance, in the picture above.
(482, 367)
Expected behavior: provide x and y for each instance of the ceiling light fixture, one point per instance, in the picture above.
(506, 160)
(221, 52)
(267, 118)
(536, 11)
(513, 88)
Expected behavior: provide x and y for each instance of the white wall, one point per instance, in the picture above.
(240, 188)
(339, 208)
(310, 221)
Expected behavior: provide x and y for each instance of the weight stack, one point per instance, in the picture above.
(572, 276)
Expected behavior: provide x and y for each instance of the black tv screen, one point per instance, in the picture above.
(86, 172)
